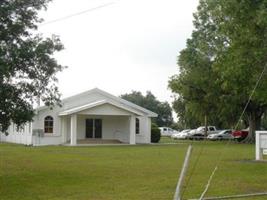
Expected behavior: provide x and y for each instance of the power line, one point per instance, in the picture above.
(76, 14)
(208, 184)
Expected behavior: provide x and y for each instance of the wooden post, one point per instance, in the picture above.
(206, 126)
(177, 195)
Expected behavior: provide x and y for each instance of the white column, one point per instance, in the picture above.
(132, 129)
(73, 129)
(64, 128)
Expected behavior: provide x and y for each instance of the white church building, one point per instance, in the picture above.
(94, 115)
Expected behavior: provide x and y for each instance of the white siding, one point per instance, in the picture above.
(115, 122)
(116, 127)
(47, 140)
(22, 136)
(39, 120)
(145, 130)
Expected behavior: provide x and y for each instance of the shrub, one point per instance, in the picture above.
(155, 133)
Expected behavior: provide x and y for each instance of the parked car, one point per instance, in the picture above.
(223, 135)
(166, 131)
(196, 136)
(240, 135)
(201, 130)
(181, 135)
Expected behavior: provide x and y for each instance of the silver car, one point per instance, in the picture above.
(222, 135)
(181, 135)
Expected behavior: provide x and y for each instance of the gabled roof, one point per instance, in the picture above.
(95, 104)
(127, 103)
(117, 101)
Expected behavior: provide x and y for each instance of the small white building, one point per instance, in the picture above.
(91, 115)
(261, 144)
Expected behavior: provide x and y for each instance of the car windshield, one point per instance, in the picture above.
(201, 128)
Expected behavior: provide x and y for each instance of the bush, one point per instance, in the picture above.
(155, 133)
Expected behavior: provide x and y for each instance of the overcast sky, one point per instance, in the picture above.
(127, 45)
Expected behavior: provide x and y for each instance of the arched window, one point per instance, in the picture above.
(137, 126)
(48, 124)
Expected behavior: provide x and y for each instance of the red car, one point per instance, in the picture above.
(240, 135)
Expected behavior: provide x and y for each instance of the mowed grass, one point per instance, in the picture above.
(238, 172)
(128, 172)
(103, 172)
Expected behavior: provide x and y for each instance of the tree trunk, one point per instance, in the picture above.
(254, 124)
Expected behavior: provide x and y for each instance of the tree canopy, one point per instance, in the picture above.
(150, 102)
(223, 61)
(27, 65)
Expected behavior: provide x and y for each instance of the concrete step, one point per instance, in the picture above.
(98, 141)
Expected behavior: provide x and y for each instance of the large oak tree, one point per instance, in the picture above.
(231, 37)
(27, 66)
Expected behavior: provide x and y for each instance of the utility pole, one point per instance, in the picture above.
(206, 125)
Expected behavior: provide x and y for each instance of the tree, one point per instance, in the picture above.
(186, 119)
(150, 102)
(27, 68)
(197, 84)
(155, 133)
(244, 59)
(264, 121)
(231, 35)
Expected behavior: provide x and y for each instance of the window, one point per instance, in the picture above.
(137, 126)
(212, 129)
(48, 124)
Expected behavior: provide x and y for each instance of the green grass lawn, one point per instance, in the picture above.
(127, 172)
